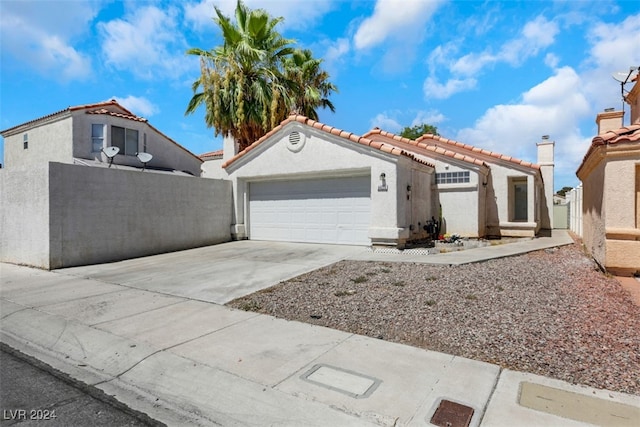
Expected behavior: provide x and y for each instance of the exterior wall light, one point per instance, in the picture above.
(383, 182)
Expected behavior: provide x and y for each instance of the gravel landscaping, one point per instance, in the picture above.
(549, 312)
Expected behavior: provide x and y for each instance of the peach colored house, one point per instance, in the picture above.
(610, 175)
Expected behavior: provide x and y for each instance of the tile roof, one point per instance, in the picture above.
(423, 148)
(476, 150)
(623, 135)
(115, 114)
(69, 109)
(100, 108)
(212, 155)
(384, 147)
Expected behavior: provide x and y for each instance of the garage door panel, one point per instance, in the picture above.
(335, 210)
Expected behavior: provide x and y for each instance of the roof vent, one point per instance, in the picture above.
(294, 138)
(545, 137)
(296, 141)
(610, 109)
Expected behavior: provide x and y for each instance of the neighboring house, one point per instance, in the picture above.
(212, 165)
(62, 203)
(79, 135)
(610, 175)
(307, 181)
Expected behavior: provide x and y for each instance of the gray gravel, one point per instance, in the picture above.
(550, 312)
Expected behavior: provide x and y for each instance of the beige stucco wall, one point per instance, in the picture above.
(324, 155)
(593, 213)
(166, 154)
(64, 215)
(68, 135)
(24, 216)
(49, 141)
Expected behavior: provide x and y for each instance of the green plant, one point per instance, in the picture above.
(430, 302)
(386, 270)
(471, 297)
(430, 278)
(399, 283)
(359, 279)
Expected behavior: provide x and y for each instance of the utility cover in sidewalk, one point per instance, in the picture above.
(452, 414)
(575, 406)
(343, 381)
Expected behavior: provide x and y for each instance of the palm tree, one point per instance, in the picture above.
(312, 85)
(250, 83)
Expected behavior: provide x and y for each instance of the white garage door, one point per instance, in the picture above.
(334, 210)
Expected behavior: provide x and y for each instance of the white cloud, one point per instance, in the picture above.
(385, 122)
(553, 107)
(534, 37)
(146, 42)
(138, 105)
(337, 50)
(434, 89)
(431, 117)
(41, 37)
(551, 60)
(391, 20)
(296, 14)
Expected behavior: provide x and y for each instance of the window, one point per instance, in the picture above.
(520, 196)
(25, 141)
(453, 177)
(97, 137)
(125, 139)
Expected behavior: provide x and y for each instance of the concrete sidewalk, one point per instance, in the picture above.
(189, 362)
(557, 238)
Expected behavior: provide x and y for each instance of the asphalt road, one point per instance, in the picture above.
(35, 394)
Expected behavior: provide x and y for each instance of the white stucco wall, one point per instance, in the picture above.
(65, 215)
(325, 155)
(213, 169)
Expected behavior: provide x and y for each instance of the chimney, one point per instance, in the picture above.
(609, 120)
(229, 147)
(546, 162)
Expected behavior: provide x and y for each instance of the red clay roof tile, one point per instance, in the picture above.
(332, 131)
(624, 135)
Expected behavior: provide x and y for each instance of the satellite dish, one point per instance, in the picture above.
(621, 76)
(144, 158)
(111, 152)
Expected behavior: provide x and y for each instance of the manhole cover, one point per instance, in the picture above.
(452, 414)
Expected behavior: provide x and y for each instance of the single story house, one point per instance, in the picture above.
(610, 175)
(306, 181)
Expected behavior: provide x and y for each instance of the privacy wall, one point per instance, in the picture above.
(75, 215)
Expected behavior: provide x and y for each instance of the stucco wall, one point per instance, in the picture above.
(619, 190)
(47, 142)
(24, 219)
(166, 154)
(326, 155)
(593, 215)
(65, 215)
(213, 169)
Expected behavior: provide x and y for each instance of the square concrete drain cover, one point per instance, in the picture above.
(452, 414)
(341, 380)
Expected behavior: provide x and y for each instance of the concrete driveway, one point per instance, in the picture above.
(218, 273)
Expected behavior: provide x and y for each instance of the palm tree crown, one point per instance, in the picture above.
(255, 78)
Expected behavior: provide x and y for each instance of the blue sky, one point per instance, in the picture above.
(497, 75)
